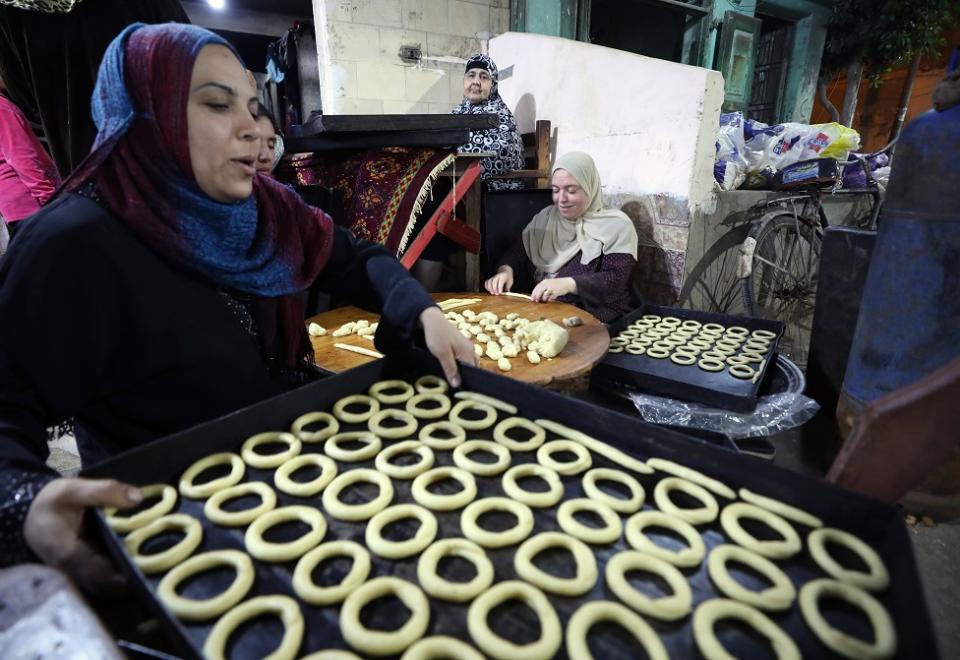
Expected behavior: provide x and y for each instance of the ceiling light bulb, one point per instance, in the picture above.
(217, 4)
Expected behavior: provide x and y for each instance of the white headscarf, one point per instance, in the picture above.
(550, 240)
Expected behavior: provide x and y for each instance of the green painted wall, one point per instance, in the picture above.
(557, 18)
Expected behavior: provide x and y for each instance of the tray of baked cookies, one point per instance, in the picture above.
(379, 513)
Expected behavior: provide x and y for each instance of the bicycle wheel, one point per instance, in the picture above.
(783, 283)
(712, 284)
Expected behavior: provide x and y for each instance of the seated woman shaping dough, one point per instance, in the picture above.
(161, 289)
(574, 250)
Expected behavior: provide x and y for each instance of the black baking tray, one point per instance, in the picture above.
(639, 373)
(877, 523)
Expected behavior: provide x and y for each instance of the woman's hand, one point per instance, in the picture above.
(553, 288)
(446, 343)
(53, 529)
(501, 282)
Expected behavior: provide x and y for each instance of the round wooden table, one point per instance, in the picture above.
(587, 346)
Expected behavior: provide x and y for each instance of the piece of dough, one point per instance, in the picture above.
(382, 462)
(490, 539)
(365, 510)
(381, 642)
(206, 489)
(690, 474)
(163, 506)
(286, 608)
(884, 635)
(702, 515)
(672, 607)
(596, 611)
(282, 478)
(341, 412)
(688, 557)
(331, 426)
(779, 596)
(213, 508)
(458, 592)
(193, 609)
(461, 457)
(709, 612)
(161, 561)
(539, 499)
(609, 533)
(450, 502)
(875, 579)
(309, 591)
(629, 505)
(582, 462)
(783, 548)
(260, 548)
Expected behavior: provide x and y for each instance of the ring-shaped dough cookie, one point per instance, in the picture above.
(405, 430)
(658, 353)
(780, 508)
(737, 359)
(683, 359)
(712, 327)
(539, 499)
(378, 391)
(286, 608)
(751, 356)
(604, 610)
(635, 349)
(208, 488)
(737, 331)
(161, 561)
(620, 505)
(619, 341)
(163, 506)
(441, 646)
(611, 453)
(691, 323)
(670, 321)
(496, 646)
(508, 408)
(404, 472)
(381, 642)
(742, 371)
(875, 579)
(341, 412)
(429, 438)
(458, 592)
(778, 596)
(312, 593)
(778, 549)
(447, 502)
(725, 351)
(709, 612)
(415, 407)
(687, 349)
(299, 426)
(884, 643)
(652, 318)
(700, 516)
(663, 344)
(615, 349)
(260, 548)
(472, 530)
(756, 346)
(584, 578)
(193, 609)
(702, 344)
(682, 471)
(284, 482)
(383, 547)
(764, 334)
(332, 654)
(609, 533)
(538, 434)
(431, 383)
(249, 449)
(461, 457)
(372, 447)
(582, 462)
(355, 512)
(489, 415)
(629, 334)
(213, 507)
(711, 364)
(674, 606)
(728, 343)
(687, 557)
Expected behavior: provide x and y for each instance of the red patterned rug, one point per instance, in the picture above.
(383, 189)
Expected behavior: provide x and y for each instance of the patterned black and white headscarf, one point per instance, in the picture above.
(504, 140)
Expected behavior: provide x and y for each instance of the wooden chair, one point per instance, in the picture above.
(536, 154)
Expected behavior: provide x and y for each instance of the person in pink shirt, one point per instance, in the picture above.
(28, 177)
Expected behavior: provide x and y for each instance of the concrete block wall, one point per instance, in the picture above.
(358, 43)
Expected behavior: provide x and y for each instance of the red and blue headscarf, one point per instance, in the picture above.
(270, 246)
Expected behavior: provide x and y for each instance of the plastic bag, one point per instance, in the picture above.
(774, 413)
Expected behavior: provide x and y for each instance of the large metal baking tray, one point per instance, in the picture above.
(877, 523)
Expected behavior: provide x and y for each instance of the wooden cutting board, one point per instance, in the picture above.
(587, 346)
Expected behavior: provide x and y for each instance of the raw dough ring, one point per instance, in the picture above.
(781, 549)
(260, 548)
(255, 460)
(161, 561)
(667, 608)
(658, 353)
(779, 596)
(604, 610)
(431, 383)
(586, 573)
(712, 327)
(496, 646)
(690, 474)
(877, 579)
(206, 489)
(383, 463)
(711, 364)
(298, 428)
(609, 533)
(333, 449)
(614, 348)
(314, 594)
(340, 408)
(742, 371)
(780, 508)
(193, 609)
(458, 592)
(285, 484)
(383, 547)
(701, 516)
(751, 356)
(488, 420)
(508, 408)
(377, 391)
(738, 359)
(884, 634)
(535, 440)
(635, 349)
(332, 654)
(541, 499)
(163, 506)
(407, 429)
(566, 468)
(737, 331)
(380, 642)
(472, 530)
(710, 611)
(685, 558)
(764, 334)
(461, 457)
(441, 646)
(215, 647)
(682, 358)
(444, 502)
(414, 408)
(213, 508)
(427, 437)
(355, 512)
(591, 490)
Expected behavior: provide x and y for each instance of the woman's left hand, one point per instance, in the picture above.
(553, 288)
(446, 343)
